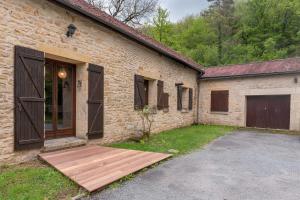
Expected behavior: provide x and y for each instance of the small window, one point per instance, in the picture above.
(145, 90)
(219, 101)
(184, 98)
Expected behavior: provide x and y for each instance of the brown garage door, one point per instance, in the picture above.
(268, 111)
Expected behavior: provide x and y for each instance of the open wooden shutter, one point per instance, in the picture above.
(160, 92)
(95, 101)
(139, 92)
(179, 97)
(29, 98)
(166, 100)
(190, 98)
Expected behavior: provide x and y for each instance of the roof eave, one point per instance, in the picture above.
(123, 32)
(249, 75)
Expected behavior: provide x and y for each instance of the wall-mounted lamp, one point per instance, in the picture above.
(62, 73)
(71, 30)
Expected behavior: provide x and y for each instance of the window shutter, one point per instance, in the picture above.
(139, 92)
(29, 98)
(166, 100)
(219, 101)
(190, 98)
(179, 97)
(95, 101)
(160, 92)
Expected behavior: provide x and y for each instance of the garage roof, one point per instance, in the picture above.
(284, 66)
(82, 7)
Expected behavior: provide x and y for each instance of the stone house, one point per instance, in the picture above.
(70, 70)
(263, 95)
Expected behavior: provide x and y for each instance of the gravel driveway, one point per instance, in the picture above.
(244, 165)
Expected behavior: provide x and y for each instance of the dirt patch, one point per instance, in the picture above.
(33, 164)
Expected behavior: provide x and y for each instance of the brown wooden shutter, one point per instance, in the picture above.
(166, 100)
(95, 102)
(190, 98)
(29, 98)
(160, 92)
(139, 92)
(179, 97)
(219, 101)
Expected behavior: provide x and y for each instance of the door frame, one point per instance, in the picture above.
(69, 132)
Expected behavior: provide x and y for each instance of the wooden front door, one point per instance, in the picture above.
(268, 111)
(60, 99)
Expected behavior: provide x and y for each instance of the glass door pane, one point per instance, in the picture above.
(64, 97)
(49, 98)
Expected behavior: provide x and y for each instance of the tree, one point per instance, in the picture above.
(161, 25)
(239, 31)
(220, 16)
(147, 118)
(131, 12)
(270, 26)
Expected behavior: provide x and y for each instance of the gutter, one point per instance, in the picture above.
(127, 34)
(248, 75)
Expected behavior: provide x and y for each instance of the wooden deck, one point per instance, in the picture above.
(94, 167)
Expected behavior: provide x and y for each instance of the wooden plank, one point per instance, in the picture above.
(73, 155)
(94, 167)
(112, 167)
(93, 184)
(105, 164)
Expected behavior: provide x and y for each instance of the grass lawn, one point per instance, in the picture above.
(34, 181)
(182, 139)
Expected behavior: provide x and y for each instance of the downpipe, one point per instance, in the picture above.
(199, 76)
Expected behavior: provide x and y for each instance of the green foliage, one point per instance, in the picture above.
(231, 32)
(183, 139)
(34, 183)
(161, 26)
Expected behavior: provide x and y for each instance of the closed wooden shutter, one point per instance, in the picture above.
(179, 97)
(160, 92)
(29, 98)
(190, 98)
(219, 101)
(139, 92)
(95, 101)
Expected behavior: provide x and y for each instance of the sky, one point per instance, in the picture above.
(181, 8)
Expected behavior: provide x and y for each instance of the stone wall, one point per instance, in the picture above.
(239, 88)
(41, 25)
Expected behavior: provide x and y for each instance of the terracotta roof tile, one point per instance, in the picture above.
(87, 9)
(288, 65)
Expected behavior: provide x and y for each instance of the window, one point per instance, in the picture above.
(149, 92)
(184, 98)
(219, 101)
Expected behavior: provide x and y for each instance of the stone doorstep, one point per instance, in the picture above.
(63, 143)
